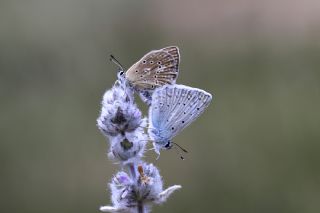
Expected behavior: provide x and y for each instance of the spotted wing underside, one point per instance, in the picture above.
(156, 68)
(174, 107)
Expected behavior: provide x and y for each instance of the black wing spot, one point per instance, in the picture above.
(182, 122)
(159, 62)
(144, 61)
(184, 113)
(198, 108)
(136, 70)
(172, 128)
(141, 76)
(159, 66)
(151, 62)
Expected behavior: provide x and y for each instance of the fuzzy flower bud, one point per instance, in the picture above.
(121, 121)
(119, 113)
(128, 147)
(130, 193)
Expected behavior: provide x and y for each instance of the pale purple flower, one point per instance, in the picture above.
(119, 114)
(136, 193)
(138, 185)
(128, 147)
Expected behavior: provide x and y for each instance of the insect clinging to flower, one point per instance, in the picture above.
(173, 108)
(153, 70)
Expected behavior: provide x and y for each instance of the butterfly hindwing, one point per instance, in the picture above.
(156, 68)
(191, 106)
(174, 107)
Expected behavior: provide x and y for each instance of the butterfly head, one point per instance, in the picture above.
(162, 145)
(168, 145)
(121, 75)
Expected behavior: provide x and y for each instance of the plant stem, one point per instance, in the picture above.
(140, 207)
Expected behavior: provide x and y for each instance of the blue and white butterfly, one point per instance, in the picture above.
(173, 108)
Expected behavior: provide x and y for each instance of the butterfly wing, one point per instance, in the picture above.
(156, 68)
(173, 108)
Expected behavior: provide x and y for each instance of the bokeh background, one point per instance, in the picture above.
(255, 149)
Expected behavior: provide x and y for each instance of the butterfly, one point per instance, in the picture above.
(155, 69)
(173, 108)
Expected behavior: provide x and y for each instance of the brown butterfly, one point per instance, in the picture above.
(156, 68)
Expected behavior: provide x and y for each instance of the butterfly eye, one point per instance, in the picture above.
(168, 145)
(121, 73)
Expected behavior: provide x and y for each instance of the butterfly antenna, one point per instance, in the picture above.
(179, 150)
(114, 60)
(184, 150)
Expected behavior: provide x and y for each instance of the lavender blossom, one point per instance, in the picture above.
(136, 194)
(121, 121)
(138, 185)
(129, 147)
(119, 113)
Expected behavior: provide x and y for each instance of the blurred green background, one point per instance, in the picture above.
(256, 148)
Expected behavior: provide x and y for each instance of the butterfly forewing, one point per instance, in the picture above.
(156, 68)
(175, 107)
(195, 103)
